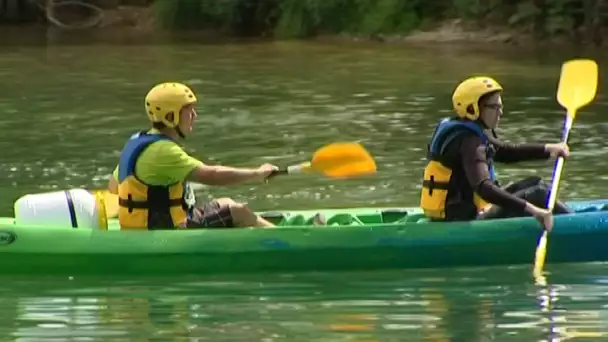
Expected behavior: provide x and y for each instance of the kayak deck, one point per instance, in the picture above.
(298, 218)
(362, 238)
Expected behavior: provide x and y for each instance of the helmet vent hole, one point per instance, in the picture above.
(150, 112)
(157, 108)
(148, 104)
(170, 116)
(489, 86)
(190, 96)
(470, 109)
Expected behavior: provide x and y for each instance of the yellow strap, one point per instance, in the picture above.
(101, 210)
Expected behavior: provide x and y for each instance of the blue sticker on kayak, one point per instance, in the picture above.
(6, 237)
(274, 243)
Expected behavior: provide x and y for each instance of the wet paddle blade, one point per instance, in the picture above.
(577, 84)
(343, 159)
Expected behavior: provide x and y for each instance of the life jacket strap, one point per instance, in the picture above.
(431, 184)
(130, 204)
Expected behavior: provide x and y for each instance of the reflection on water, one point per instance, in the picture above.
(444, 305)
(65, 122)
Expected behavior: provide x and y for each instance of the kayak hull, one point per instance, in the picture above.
(401, 241)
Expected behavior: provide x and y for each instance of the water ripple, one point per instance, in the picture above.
(65, 123)
(423, 305)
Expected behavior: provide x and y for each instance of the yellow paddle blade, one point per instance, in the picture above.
(577, 84)
(343, 159)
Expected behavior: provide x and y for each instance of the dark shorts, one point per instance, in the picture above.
(210, 215)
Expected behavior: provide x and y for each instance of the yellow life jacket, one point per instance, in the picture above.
(443, 185)
(143, 206)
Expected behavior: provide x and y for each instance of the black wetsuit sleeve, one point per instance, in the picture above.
(513, 153)
(474, 161)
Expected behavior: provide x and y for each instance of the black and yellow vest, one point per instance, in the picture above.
(143, 206)
(446, 193)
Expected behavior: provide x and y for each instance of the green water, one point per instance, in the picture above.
(67, 110)
(439, 305)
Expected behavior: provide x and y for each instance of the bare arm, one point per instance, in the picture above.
(169, 163)
(210, 175)
(223, 175)
(113, 185)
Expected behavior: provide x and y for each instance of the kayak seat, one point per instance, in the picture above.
(414, 218)
(344, 220)
(393, 215)
(274, 217)
(296, 220)
(591, 208)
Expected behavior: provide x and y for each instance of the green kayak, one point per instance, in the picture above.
(354, 239)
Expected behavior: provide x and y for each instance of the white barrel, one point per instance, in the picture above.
(74, 208)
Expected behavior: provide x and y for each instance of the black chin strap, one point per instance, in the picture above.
(180, 133)
(483, 124)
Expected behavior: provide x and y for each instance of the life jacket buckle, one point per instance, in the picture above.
(431, 185)
(130, 205)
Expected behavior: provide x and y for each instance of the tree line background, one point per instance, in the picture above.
(583, 20)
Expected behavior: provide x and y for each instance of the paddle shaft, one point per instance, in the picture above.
(278, 172)
(541, 250)
(289, 170)
(577, 87)
(559, 163)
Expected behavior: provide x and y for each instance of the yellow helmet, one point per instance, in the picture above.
(165, 101)
(467, 94)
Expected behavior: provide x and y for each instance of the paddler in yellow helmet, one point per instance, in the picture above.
(153, 171)
(459, 180)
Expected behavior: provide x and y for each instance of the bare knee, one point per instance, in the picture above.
(242, 215)
(225, 202)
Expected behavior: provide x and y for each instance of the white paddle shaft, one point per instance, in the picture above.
(559, 164)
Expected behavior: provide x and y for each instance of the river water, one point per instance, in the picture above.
(67, 110)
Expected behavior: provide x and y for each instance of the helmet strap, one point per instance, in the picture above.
(481, 122)
(171, 118)
(179, 132)
(159, 125)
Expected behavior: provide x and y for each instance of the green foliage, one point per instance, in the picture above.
(301, 18)
(305, 18)
(526, 11)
